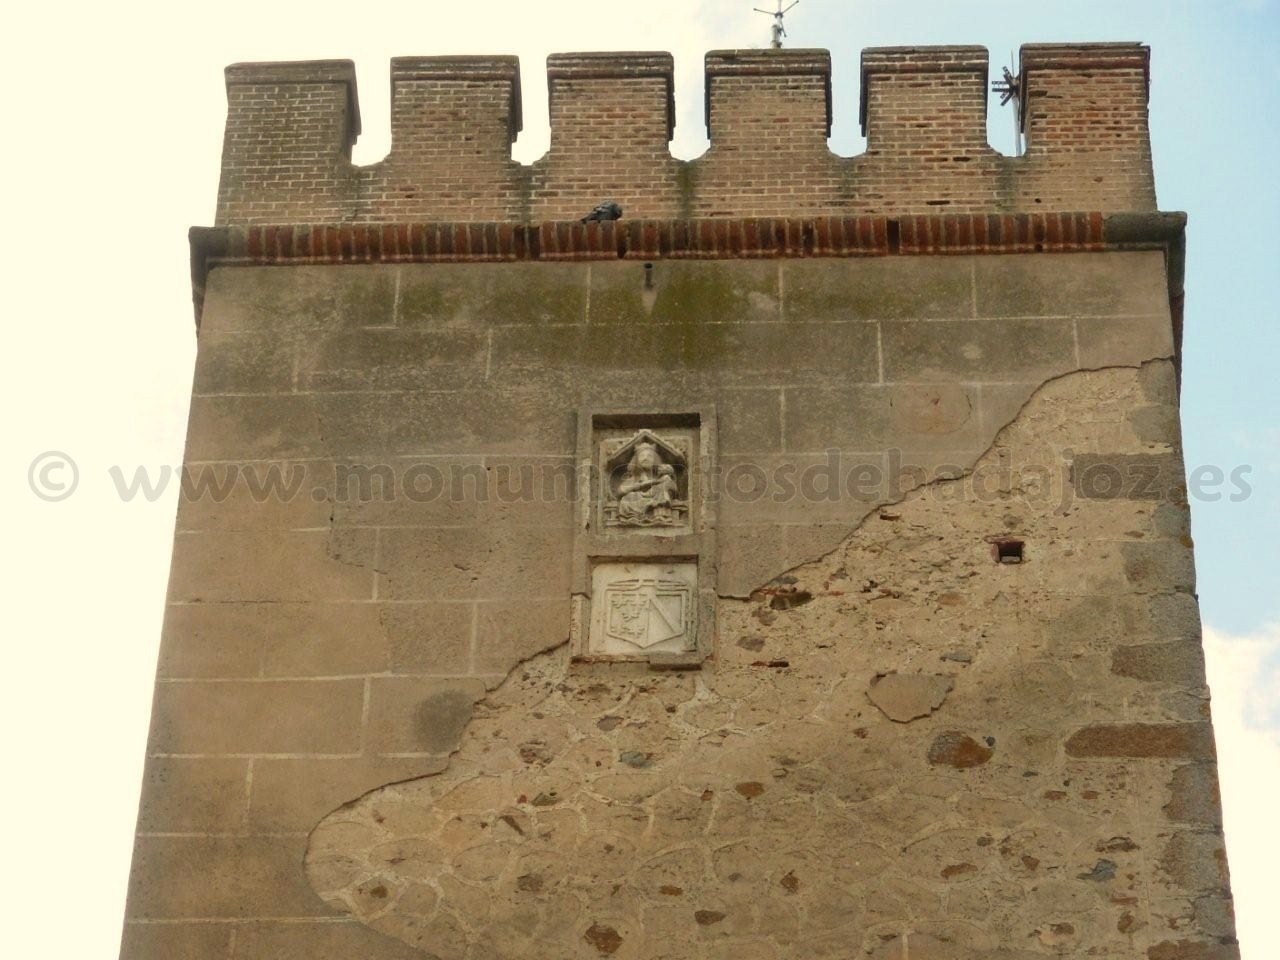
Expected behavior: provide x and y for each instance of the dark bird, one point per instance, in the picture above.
(608, 210)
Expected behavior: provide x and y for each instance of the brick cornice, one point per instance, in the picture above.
(720, 238)
(714, 238)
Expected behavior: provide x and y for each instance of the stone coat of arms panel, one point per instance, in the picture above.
(643, 608)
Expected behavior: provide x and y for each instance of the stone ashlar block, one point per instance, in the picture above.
(193, 795)
(257, 495)
(475, 489)
(803, 542)
(946, 350)
(277, 565)
(750, 556)
(1159, 566)
(273, 639)
(769, 353)
(475, 563)
(165, 941)
(395, 359)
(257, 717)
(868, 418)
(220, 877)
(303, 299)
(1193, 950)
(1156, 423)
(1134, 476)
(1112, 341)
(1195, 862)
(246, 361)
(684, 292)
(266, 940)
(492, 294)
(830, 487)
(1072, 285)
(412, 715)
(208, 640)
(293, 795)
(510, 631)
(1175, 615)
(428, 638)
(1159, 382)
(1180, 662)
(1194, 796)
(890, 288)
(238, 428)
(509, 419)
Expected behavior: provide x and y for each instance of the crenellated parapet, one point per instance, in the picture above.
(453, 120)
(286, 152)
(612, 119)
(768, 118)
(924, 114)
(290, 128)
(1084, 115)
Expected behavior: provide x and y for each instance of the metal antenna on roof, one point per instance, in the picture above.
(1010, 89)
(779, 31)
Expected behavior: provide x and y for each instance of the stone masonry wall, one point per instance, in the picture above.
(369, 740)
(290, 128)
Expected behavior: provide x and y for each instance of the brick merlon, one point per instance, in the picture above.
(468, 69)
(919, 60)
(768, 63)
(615, 66)
(300, 72)
(1081, 58)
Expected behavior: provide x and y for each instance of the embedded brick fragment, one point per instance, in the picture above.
(1193, 950)
(1192, 741)
(959, 750)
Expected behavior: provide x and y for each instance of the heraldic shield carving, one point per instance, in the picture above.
(640, 608)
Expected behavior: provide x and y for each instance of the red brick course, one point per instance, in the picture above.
(707, 238)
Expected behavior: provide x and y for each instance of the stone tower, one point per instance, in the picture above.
(798, 567)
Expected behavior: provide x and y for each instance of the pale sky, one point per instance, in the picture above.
(113, 138)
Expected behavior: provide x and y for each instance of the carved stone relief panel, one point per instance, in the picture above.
(644, 481)
(645, 539)
(640, 609)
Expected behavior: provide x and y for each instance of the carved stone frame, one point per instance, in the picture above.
(694, 543)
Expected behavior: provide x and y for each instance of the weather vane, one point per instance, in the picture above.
(1010, 89)
(779, 31)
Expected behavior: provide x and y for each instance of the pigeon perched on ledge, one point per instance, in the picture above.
(608, 210)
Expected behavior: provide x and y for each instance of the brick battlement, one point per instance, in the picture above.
(291, 126)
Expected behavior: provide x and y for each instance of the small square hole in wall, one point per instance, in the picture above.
(1007, 551)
